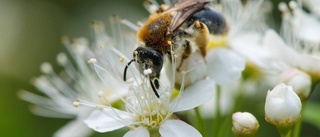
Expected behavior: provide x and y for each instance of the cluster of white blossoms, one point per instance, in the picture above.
(247, 61)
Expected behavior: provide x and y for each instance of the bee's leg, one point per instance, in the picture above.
(186, 53)
(202, 37)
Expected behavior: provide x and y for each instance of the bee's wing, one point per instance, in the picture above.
(184, 9)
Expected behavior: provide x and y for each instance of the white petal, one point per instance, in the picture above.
(311, 64)
(107, 120)
(74, 128)
(196, 64)
(177, 128)
(279, 50)
(138, 132)
(250, 46)
(224, 66)
(194, 96)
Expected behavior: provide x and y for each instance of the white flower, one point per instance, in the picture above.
(244, 124)
(61, 91)
(282, 106)
(295, 55)
(144, 111)
(299, 80)
(75, 81)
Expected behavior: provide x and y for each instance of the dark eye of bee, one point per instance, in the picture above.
(214, 20)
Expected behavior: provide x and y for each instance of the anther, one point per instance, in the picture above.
(100, 93)
(121, 59)
(62, 59)
(46, 68)
(183, 72)
(76, 104)
(293, 5)
(147, 71)
(101, 46)
(282, 7)
(92, 61)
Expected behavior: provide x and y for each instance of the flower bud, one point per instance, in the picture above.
(299, 80)
(282, 107)
(244, 124)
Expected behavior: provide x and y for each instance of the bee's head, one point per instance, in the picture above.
(149, 63)
(148, 59)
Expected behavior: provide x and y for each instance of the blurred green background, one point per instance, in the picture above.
(30, 33)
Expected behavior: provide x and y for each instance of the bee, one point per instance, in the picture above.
(166, 30)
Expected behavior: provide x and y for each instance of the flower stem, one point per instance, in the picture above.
(285, 131)
(297, 127)
(217, 123)
(200, 122)
(236, 105)
(286, 135)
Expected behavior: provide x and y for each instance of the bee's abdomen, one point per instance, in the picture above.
(215, 22)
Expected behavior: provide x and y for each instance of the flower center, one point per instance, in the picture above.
(217, 41)
(152, 114)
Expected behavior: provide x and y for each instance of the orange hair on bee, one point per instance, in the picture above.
(154, 32)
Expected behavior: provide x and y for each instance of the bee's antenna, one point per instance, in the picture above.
(125, 69)
(154, 89)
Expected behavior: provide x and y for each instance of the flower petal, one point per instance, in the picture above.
(75, 128)
(194, 96)
(311, 64)
(196, 64)
(177, 128)
(249, 45)
(107, 120)
(279, 50)
(225, 66)
(138, 132)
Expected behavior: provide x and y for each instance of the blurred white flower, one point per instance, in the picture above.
(244, 124)
(299, 40)
(295, 56)
(240, 48)
(77, 80)
(299, 80)
(61, 90)
(303, 25)
(282, 106)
